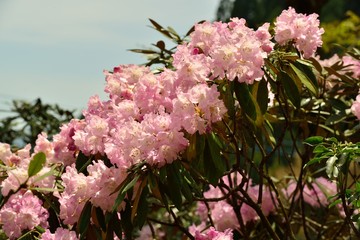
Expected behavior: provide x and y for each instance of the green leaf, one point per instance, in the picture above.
(143, 51)
(214, 163)
(84, 220)
(320, 149)
(36, 164)
(307, 68)
(143, 208)
(245, 99)
(312, 161)
(228, 97)
(309, 84)
(262, 96)
(291, 89)
(174, 185)
(114, 225)
(336, 118)
(337, 104)
(314, 140)
(336, 202)
(123, 190)
(82, 161)
(127, 226)
(100, 218)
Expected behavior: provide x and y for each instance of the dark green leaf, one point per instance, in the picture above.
(245, 99)
(337, 104)
(127, 226)
(84, 220)
(336, 118)
(36, 164)
(160, 29)
(214, 163)
(82, 161)
(143, 208)
(114, 226)
(143, 51)
(122, 192)
(228, 98)
(174, 185)
(101, 218)
(291, 89)
(262, 96)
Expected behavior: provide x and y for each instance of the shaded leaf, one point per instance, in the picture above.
(291, 90)
(84, 219)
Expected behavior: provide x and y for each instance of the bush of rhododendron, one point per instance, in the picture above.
(234, 133)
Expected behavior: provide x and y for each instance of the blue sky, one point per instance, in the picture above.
(57, 50)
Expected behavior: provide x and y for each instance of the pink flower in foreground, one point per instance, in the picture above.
(60, 234)
(232, 49)
(22, 211)
(302, 29)
(355, 107)
(102, 182)
(76, 193)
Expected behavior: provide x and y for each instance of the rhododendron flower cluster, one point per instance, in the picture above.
(225, 50)
(222, 212)
(315, 194)
(59, 234)
(302, 29)
(22, 211)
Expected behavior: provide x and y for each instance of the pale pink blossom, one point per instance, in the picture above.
(76, 193)
(302, 29)
(22, 211)
(102, 182)
(59, 234)
(316, 193)
(213, 234)
(355, 107)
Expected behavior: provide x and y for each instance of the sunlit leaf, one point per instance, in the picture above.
(36, 164)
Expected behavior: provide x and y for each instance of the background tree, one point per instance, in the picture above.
(27, 119)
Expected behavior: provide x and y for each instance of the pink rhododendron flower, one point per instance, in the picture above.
(236, 51)
(315, 194)
(63, 142)
(355, 107)
(102, 182)
(353, 65)
(222, 213)
(22, 211)
(213, 234)
(5, 153)
(60, 234)
(302, 29)
(76, 193)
